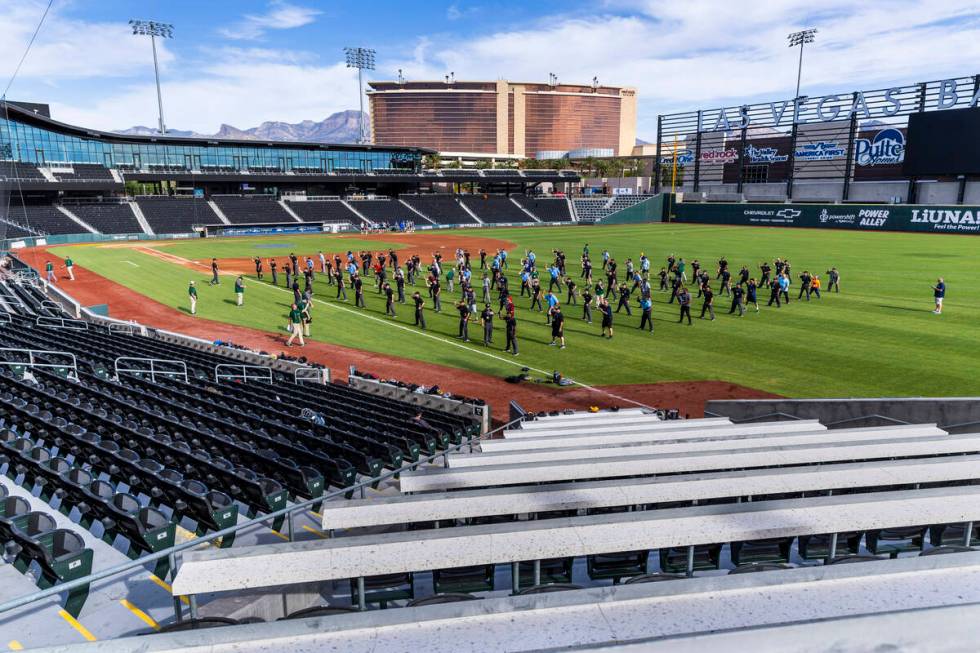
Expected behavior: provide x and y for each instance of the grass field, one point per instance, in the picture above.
(878, 337)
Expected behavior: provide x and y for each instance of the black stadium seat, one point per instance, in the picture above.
(173, 215)
(252, 209)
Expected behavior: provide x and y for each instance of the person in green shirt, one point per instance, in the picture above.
(240, 290)
(69, 264)
(192, 293)
(49, 269)
(296, 326)
(450, 275)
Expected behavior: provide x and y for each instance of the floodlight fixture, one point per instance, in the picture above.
(154, 29)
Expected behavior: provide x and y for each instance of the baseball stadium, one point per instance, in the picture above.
(314, 396)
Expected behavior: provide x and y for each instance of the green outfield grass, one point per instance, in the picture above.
(876, 338)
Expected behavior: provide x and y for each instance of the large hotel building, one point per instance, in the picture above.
(504, 118)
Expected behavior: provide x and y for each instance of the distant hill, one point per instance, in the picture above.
(341, 127)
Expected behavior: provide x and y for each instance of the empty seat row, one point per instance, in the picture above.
(172, 215)
(442, 209)
(108, 218)
(251, 210)
(331, 211)
(496, 209)
(546, 209)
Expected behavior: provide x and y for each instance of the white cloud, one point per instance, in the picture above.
(281, 15)
(684, 55)
(68, 49)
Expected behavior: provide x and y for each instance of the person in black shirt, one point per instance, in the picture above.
(557, 326)
(805, 280)
(258, 268)
(663, 279)
(486, 319)
(214, 273)
(536, 295)
(695, 269)
(358, 291)
(624, 299)
(572, 293)
(722, 267)
(483, 259)
(464, 320)
(726, 282)
(675, 288)
(308, 280)
(339, 277)
(708, 303)
(389, 299)
(294, 263)
(607, 317)
(511, 322)
(684, 299)
(737, 305)
(436, 290)
(272, 266)
(833, 280)
(766, 270)
(751, 294)
(587, 304)
(400, 284)
(419, 305)
(289, 276)
(774, 292)
(743, 276)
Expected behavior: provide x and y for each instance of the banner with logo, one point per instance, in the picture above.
(871, 217)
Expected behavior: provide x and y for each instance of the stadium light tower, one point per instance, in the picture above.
(362, 59)
(800, 39)
(154, 29)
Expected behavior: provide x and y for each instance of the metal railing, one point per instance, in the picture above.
(132, 329)
(153, 368)
(287, 512)
(32, 362)
(244, 373)
(62, 323)
(319, 375)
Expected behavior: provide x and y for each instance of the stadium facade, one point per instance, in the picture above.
(502, 118)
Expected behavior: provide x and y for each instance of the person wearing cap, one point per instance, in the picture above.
(192, 294)
(69, 268)
(939, 293)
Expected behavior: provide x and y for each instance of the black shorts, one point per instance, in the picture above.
(606, 323)
(555, 329)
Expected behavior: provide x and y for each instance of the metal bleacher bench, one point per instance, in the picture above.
(521, 474)
(584, 420)
(433, 507)
(736, 610)
(223, 570)
(592, 452)
(615, 426)
(717, 431)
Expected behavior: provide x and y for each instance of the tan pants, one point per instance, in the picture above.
(193, 305)
(297, 333)
(71, 274)
(241, 298)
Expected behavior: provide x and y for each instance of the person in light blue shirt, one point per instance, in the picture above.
(555, 277)
(646, 305)
(503, 258)
(525, 282)
(552, 300)
(532, 257)
(784, 287)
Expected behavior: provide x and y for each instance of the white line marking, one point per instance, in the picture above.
(131, 263)
(429, 335)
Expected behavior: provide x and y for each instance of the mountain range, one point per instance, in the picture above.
(340, 127)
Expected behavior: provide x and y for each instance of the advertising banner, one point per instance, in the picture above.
(871, 217)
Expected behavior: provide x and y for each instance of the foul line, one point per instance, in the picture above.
(174, 257)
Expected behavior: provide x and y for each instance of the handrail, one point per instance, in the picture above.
(30, 362)
(61, 323)
(190, 544)
(258, 373)
(132, 329)
(153, 371)
(319, 375)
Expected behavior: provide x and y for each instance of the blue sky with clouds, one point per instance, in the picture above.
(245, 61)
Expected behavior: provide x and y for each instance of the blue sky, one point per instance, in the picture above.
(247, 61)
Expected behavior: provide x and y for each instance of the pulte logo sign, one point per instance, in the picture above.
(886, 148)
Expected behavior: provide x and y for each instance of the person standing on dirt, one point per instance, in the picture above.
(258, 268)
(295, 326)
(323, 263)
(192, 295)
(214, 273)
(294, 264)
(419, 307)
(69, 265)
(272, 268)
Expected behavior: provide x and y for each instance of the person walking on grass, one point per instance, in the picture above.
(939, 293)
(684, 299)
(774, 292)
(464, 320)
(707, 301)
(815, 284)
(511, 321)
(557, 326)
(607, 318)
(752, 294)
(341, 289)
(646, 317)
(587, 304)
(295, 326)
(240, 291)
(833, 280)
(737, 305)
(69, 268)
(389, 299)
(419, 306)
(486, 319)
(214, 273)
(192, 295)
(358, 291)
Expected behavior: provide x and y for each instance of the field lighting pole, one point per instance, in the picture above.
(154, 29)
(800, 39)
(362, 59)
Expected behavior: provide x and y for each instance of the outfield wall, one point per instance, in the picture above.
(864, 217)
